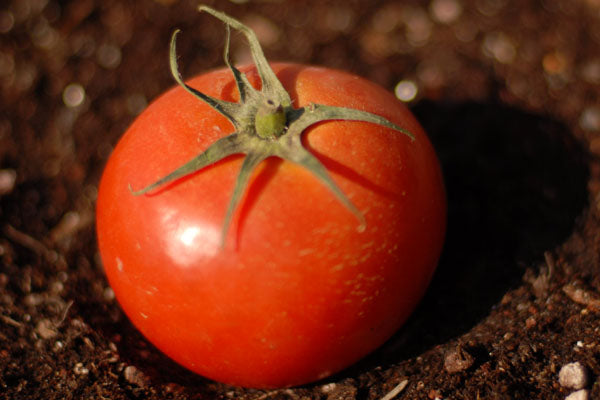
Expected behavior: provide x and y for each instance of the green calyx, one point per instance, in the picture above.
(265, 125)
(270, 120)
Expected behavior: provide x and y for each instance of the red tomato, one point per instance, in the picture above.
(297, 292)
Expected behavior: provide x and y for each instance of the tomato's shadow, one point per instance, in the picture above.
(516, 184)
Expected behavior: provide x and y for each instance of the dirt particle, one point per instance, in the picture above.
(328, 388)
(434, 394)
(10, 321)
(58, 346)
(174, 388)
(582, 296)
(80, 369)
(457, 360)
(530, 322)
(135, 376)
(342, 392)
(45, 329)
(396, 390)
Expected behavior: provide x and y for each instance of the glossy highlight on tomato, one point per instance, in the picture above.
(297, 291)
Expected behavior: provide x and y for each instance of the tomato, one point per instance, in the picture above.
(296, 292)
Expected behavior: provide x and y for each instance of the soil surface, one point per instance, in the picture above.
(509, 92)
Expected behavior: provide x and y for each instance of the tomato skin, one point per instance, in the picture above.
(297, 293)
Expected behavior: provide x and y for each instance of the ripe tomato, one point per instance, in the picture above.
(297, 292)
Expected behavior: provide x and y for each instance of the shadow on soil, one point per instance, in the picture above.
(516, 184)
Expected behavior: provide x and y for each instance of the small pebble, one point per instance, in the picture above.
(58, 346)
(328, 388)
(581, 296)
(45, 328)
(79, 369)
(135, 376)
(457, 360)
(178, 389)
(578, 395)
(573, 376)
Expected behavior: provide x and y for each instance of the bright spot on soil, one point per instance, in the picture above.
(499, 46)
(554, 62)
(73, 95)
(406, 90)
(590, 119)
(8, 177)
(109, 56)
(445, 11)
(590, 71)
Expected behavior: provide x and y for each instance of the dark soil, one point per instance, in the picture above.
(509, 92)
